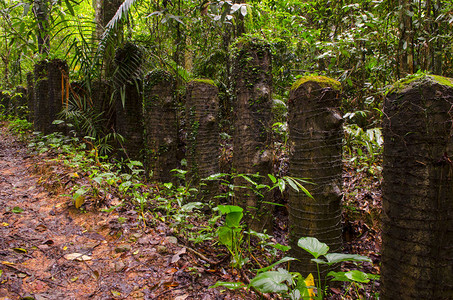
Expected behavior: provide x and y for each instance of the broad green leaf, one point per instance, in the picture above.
(191, 206)
(225, 235)
(358, 276)
(271, 282)
(226, 209)
(333, 258)
(338, 276)
(233, 219)
(228, 285)
(313, 246)
(280, 247)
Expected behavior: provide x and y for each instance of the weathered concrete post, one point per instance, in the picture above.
(161, 125)
(129, 100)
(48, 76)
(252, 139)
(202, 109)
(315, 133)
(417, 253)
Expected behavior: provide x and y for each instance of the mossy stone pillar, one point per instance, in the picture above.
(417, 251)
(30, 97)
(202, 109)
(49, 93)
(129, 100)
(252, 154)
(161, 125)
(315, 134)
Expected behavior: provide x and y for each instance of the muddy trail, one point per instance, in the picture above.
(50, 250)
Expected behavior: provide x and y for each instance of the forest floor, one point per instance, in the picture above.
(51, 250)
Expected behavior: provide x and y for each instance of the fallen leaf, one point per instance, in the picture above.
(4, 224)
(7, 263)
(20, 250)
(171, 271)
(183, 297)
(17, 210)
(176, 257)
(74, 279)
(77, 257)
(116, 294)
(171, 284)
(41, 228)
(78, 201)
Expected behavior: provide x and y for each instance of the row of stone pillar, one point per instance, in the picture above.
(417, 191)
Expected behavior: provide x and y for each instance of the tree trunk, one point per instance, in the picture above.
(315, 127)
(161, 125)
(405, 46)
(41, 12)
(252, 139)
(105, 11)
(417, 251)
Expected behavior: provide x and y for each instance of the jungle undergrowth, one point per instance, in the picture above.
(100, 182)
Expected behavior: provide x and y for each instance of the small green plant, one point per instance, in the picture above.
(292, 285)
(20, 127)
(231, 233)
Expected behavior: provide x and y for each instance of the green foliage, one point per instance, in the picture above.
(20, 127)
(364, 147)
(231, 233)
(291, 285)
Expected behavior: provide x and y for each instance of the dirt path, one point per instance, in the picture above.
(49, 250)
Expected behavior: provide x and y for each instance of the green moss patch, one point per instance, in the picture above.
(323, 81)
(207, 81)
(416, 79)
